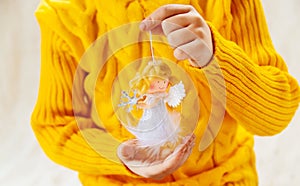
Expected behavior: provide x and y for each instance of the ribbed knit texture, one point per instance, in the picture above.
(261, 96)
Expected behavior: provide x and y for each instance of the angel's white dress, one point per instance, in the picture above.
(157, 124)
(156, 128)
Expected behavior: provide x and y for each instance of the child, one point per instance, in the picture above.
(261, 96)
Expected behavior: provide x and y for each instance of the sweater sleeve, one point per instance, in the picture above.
(53, 120)
(260, 93)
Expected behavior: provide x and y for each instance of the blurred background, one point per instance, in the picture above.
(22, 161)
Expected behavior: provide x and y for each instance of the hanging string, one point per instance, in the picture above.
(151, 46)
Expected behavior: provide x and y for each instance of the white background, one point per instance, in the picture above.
(22, 162)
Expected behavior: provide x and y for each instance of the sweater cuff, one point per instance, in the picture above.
(262, 98)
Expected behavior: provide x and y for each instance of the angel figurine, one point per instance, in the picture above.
(157, 130)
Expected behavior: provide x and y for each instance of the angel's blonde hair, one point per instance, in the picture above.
(155, 69)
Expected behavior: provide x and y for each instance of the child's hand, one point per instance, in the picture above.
(186, 31)
(168, 166)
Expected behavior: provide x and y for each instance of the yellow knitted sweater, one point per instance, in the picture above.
(261, 96)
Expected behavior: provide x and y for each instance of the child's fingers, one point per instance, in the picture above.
(151, 25)
(157, 30)
(179, 21)
(179, 54)
(180, 37)
(188, 50)
(163, 13)
(191, 51)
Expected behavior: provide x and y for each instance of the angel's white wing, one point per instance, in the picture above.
(176, 94)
